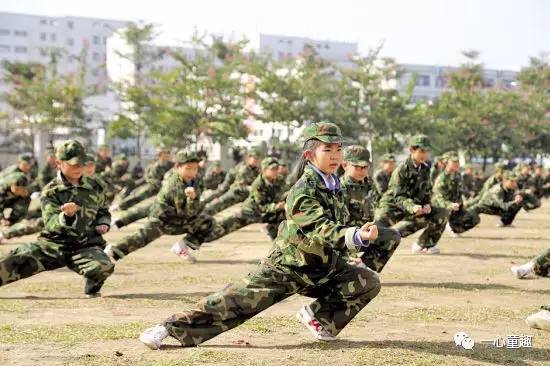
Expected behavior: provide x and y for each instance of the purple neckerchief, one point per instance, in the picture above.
(331, 181)
(333, 184)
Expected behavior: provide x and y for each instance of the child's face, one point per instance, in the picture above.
(188, 171)
(327, 157)
(420, 155)
(72, 172)
(24, 166)
(453, 166)
(252, 161)
(358, 173)
(525, 170)
(388, 166)
(468, 171)
(104, 152)
(271, 173)
(510, 184)
(89, 170)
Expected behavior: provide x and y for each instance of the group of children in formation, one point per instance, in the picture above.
(333, 227)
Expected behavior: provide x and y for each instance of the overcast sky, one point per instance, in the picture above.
(506, 32)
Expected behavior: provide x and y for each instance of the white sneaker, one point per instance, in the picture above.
(523, 270)
(431, 250)
(305, 316)
(540, 320)
(154, 336)
(417, 249)
(181, 249)
(114, 227)
(1, 237)
(451, 232)
(110, 252)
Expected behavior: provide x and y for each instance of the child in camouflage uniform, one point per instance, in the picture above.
(15, 190)
(361, 202)
(177, 210)
(308, 257)
(383, 175)
(263, 204)
(406, 204)
(75, 214)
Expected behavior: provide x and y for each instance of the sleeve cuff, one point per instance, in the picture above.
(350, 237)
(103, 221)
(358, 241)
(63, 220)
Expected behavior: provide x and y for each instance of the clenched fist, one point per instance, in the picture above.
(70, 208)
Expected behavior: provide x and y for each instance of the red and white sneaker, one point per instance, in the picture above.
(154, 336)
(182, 250)
(305, 316)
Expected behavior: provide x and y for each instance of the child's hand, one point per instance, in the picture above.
(519, 198)
(190, 192)
(102, 229)
(427, 209)
(70, 208)
(455, 206)
(369, 231)
(19, 191)
(280, 205)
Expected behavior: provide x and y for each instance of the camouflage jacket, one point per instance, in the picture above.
(537, 182)
(212, 180)
(381, 182)
(17, 178)
(9, 170)
(263, 198)
(314, 237)
(468, 185)
(497, 199)
(156, 172)
(245, 174)
(409, 186)
(102, 164)
(447, 190)
(525, 182)
(73, 231)
(45, 174)
(489, 183)
(172, 206)
(434, 172)
(360, 200)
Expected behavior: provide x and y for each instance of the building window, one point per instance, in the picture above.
(42, 36)
(20, 33)
(489, 83)
(4, 48)
(280, 55)
(441, 82)
(53, 37)
(43, 52)
(70, 24)
(53, 22)
(4, 32)
(20, 49)
(423, 80)
(95, 56)
(96, 40)
(70, 42)
(43, 22)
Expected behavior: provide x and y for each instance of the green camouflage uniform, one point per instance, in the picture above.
(19, 205)
(237, 192)
(65, 241)
(260, 205)
(153, 182)
(468, 185)
(361, 201)
(527, 191)
(173, 213)
(537, 182)
(410, 186)
(542, 263)
(308, 257)
(498, 201)
(448, 190)
(212, 179)
(101, 164)
(46, 172)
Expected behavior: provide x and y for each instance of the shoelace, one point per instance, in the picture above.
(315, 324)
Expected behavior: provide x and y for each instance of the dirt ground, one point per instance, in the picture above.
(425, 300)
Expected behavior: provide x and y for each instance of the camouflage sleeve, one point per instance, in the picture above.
(164, 205)
(227, 181)
(400, 192)
(257, 196)
(496, 198)
(441, 193)
(54, 220)
(103, 216)
(316, 224)
(378, 184)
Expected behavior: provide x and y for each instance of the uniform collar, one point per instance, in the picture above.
(332, 183)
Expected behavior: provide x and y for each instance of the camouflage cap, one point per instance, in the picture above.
(183, 157)
(216, 163)
(468, 166)
(510, 175)
(421, 141)
(450, 155)
(91, 158)
(25, 157)
(357, 155)
(323, 131)
(104, 146)
(270, 162)
(255, 152)
(283, 162)
(72, 152)
(387, 157)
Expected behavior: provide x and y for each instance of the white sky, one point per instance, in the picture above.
(506, 32)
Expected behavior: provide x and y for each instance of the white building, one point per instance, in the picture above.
(288, 47)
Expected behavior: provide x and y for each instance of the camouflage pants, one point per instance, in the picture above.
(434, 224)
(242, 219)
(463, 220)
(132, 215)
(226, 200)
(506, 216)
(19, 207)
(43, 255)
(542, 263)
(346, 291)
(197, 231)
(530, 201)
(24, 228)
(378, 253)
(139, 194)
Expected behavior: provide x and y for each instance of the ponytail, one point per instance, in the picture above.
(302, 161)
